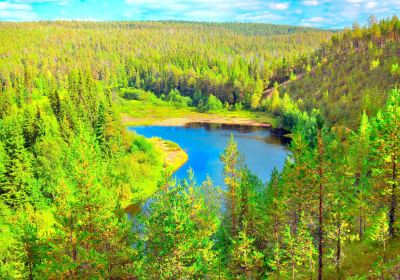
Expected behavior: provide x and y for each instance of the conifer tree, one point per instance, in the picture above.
(232, 165)
(257, 93)
(178, 235)
(246, 260)
(321, 193)
(380, 231)
(93, 236)
(386, 156)
(360, 164)
(15, 187)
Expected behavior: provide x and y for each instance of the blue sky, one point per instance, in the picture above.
(316, 13)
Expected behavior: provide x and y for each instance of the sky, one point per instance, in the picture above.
(315, 13)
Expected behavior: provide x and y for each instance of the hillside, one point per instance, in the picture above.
(352, 73)
(198, 59)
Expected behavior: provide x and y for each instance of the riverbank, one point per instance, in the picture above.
(149, 165)
(138, 113)
(201, 118)
(170, 158)
(173, 155)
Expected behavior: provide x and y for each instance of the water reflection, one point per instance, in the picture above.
(263, 148)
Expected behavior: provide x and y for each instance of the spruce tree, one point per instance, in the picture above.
(386, 156)
(232, 165)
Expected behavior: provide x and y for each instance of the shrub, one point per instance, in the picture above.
(175, 97)
(213, 103)
(141, 144)
(138, 94)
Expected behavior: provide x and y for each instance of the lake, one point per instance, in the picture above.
(263, 148)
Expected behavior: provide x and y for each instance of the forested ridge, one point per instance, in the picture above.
(219, 59)
(68, 168)
(352, 73)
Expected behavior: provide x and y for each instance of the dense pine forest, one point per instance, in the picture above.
(70, 170)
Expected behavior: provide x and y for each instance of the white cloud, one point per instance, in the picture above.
(371, 5)
(12, 6)
(316, 20)
(16, 12)
(218, 10)
(258, 17)
(59, 2)
(298, 11)
(279, 6)
(78, 19)
(311, 3)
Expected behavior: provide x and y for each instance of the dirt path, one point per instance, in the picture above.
(268, 92)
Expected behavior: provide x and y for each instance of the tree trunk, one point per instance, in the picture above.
(393, 203)
(320, 197)
(233, 210)
(338, 248)
(320, 233)
(244, 210)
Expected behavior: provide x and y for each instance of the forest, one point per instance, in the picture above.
(69, 168)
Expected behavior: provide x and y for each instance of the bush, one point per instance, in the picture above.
(141, 144)
(212, 104)
(175, 97)
(138, 94)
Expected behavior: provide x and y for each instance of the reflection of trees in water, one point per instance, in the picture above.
(223, 126)
(276, 140)
(276, 136)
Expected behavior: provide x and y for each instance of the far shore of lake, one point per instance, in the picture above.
(193, 118)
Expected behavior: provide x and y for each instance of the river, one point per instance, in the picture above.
(262, 148)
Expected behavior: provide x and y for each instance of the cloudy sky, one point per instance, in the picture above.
(316, 13)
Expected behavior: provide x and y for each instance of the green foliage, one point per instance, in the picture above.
(361, 66)
(179, 100)
(380, 230)
(211, 104)
(258, 91)
(141, 144)
(222, 59)
(247, 261)
(178, 234)
(375, 64)
(233, 162)
(138, 94)
(69, 169)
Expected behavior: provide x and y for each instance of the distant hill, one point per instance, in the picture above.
(227, 60)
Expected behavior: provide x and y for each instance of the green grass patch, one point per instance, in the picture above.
(136, 112)
(366, 260)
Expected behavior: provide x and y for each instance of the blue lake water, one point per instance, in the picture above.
(263, 148)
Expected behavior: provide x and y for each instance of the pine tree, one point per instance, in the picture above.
(55, 103)
(100, 124)
(232, 165)
(93, 234)
(359, 158)
(16, 184)
(380, 231)
(178, 233)
(246, 260)
(386, 156)
(275, 207)
(275, 101)
(321, 193)
(257, 93)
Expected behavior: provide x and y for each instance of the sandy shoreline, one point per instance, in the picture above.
(195, 119)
